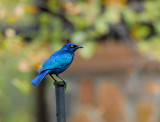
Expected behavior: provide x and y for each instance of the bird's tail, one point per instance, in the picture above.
(39, 78)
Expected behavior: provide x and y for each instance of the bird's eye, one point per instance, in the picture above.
(72, 46)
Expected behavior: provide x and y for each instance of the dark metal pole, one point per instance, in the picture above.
(60, 101)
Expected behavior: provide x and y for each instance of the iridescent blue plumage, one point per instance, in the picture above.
(57, 63)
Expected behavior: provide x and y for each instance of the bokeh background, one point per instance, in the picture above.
(115, 78)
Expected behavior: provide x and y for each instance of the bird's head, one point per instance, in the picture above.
(71, 47)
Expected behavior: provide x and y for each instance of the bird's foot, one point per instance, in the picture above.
(65, 84)
(54, 83)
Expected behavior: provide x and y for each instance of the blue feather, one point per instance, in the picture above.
(57, 63)
(39, 77)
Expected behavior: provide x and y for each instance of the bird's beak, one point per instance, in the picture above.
(79, 47)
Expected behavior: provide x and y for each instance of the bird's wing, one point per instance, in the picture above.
(57, 60)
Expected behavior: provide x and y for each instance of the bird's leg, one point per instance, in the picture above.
(53, 78)
(63, 81)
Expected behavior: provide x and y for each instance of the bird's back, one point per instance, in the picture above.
(58, 62)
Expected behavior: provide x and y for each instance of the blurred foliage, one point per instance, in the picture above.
(31, 31)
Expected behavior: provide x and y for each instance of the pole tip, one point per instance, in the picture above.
(60, 83)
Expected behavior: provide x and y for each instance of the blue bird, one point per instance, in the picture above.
(57, 63)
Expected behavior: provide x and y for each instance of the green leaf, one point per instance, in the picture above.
(143, 31)
(157, 26)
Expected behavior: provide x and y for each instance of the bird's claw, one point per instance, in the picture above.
(54, 83)
(65, 84)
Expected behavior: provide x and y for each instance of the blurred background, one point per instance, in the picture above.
(115, 78)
